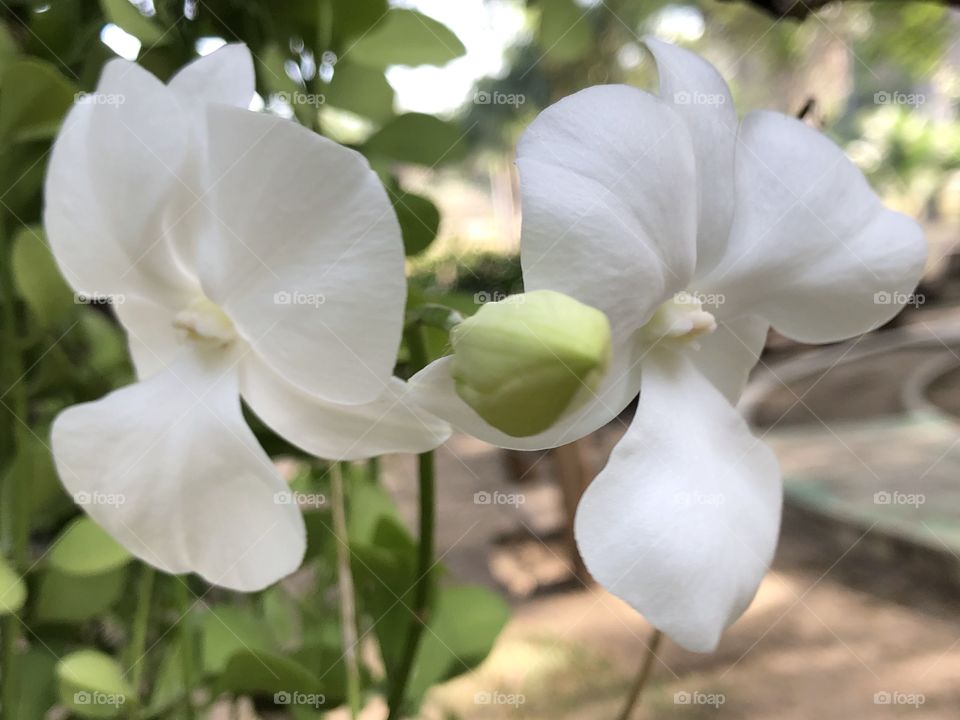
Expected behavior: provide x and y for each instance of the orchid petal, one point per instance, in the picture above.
(304, 253)
(728, 354)
(608, 184)
(170, 469)
(225, 76)
(683, 521)
(698, 93)
(113, 168)
(812, 248)
(391, 423)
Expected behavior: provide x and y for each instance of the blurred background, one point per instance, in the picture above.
(860, 616)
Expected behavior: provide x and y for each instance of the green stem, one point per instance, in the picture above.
(646, 669)
(15, 520)
(348, 609)
(185, 627)
(423, 585)
(138, 636)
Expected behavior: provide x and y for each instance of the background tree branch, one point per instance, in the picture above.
(800, 9)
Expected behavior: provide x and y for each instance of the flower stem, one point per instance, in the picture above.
(15, 521)
(138, 636)
(185, 628)
(646, 670)
(348, 609)
(422, 586)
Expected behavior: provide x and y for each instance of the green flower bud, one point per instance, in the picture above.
(521, 363)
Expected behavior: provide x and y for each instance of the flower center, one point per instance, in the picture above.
(682, 317)
(203, 320)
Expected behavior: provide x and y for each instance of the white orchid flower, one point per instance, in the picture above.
(694, 232)
(246, 256)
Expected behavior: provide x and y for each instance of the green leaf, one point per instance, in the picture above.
(361, 90)
(407, 37)
(13, 591)
(352, 18)
(34, 473)
(8, 49)
(419, 221)
(227, 630)
(283, 617)
(39, 694)
(91, 684)
(84, 548)
(38, 279)
(418, 138)
(128, 17)
(463, 627)
(35, 98)
(257, 672)
(564, 34)
(73, 598)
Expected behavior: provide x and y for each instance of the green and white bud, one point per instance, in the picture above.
(521, 363)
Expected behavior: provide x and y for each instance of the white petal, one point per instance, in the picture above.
(728, 354)
(391, 423)
(683, 521)
(113, 170)
(608, 185)
(694, 88)
(224, 76)
(812, 248)
(153, 339)
(433, 389)
(198, 493)
(304, 254)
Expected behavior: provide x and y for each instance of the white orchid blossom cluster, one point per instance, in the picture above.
(661, 239)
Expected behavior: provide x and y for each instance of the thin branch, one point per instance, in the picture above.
(801, 9)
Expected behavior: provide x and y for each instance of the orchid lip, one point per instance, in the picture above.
(205, 321)
(682, 317)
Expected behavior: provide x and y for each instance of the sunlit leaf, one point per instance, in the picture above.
(565, 34)
(92, 685)
(361, 90)
(418, 138)
(13, 591)
(34, 100)
(73, 598)
(407, 37)
(38, 279)
(84, 548)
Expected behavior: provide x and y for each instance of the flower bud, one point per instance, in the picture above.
(521, 363)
